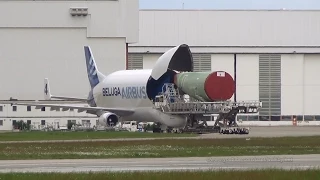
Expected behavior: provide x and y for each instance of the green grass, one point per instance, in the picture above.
(161, 148)
(185, 175)
(40, 135)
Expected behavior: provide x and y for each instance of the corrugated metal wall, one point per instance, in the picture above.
(202, 62)
(135, 61)
(236, 28)
(270, 84)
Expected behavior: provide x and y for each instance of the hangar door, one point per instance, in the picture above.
(135, 61)
(201, 62)
(270, 84)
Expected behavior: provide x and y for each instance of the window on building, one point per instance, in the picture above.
(14, 124)
(286, 118)
(14, 108)
(43, 109)
(253, 118)
(308, 118)
(275, 118)
(86, 122)
(43, 122)
(299, 118)
(1, 122)
(264, 118)
(28, 121)
(28, 108)
(1, 108)
(242, 117)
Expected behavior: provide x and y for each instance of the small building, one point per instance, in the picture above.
(39, 119)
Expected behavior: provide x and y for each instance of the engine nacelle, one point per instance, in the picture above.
(108, 119)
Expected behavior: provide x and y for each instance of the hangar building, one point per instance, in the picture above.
(40, 39)
(273, 55)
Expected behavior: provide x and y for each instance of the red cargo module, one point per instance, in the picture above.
(219, 86)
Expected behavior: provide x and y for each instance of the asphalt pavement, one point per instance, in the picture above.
(163, 164)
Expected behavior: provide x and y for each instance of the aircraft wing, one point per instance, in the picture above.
(92, 110)
(49, 96)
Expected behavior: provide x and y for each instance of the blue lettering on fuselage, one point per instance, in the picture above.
(111, 91)
(134, 92)
(131, 92)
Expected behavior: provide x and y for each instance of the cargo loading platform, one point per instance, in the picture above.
(171, 102)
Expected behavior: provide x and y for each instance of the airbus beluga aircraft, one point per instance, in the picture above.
(129, 94)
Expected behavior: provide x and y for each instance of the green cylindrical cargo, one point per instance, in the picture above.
(192, 83)
(206, 86)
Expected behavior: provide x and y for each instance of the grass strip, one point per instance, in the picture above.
(161, 148)
(183, 175)
(40, 135)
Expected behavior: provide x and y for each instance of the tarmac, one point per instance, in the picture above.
(163, 164)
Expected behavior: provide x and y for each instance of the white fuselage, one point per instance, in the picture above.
(126, 89)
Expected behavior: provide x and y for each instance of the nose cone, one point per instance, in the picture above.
(171, 62)
(178, 58)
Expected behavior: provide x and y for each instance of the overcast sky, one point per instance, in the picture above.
(229, 4)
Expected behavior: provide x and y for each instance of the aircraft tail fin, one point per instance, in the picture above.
(49, 96)
(47, 93)
(94, 76)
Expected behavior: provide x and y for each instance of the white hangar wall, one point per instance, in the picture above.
(277, 55)
(41, 39)
(229, 27)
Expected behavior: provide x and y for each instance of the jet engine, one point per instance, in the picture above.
(108, 119)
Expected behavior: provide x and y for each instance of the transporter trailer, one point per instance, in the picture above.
(235, 130)
(171, 102)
